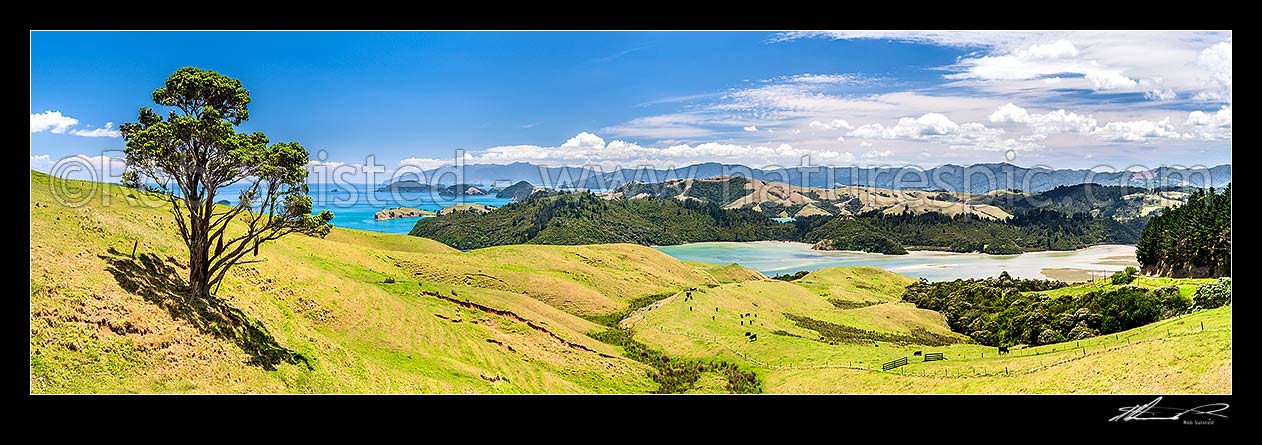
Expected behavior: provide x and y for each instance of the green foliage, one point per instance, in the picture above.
(675, 375)
(1124, 276)
(712, 192)
(1033, 230)
(585, 218)
(849, 334)
(791, 277)
(1212, 295)
(1102, 201)
(1004, 311)
(611, 319)
(1191, 240)
(850, 234)
(130, 179)
(517, 192)
(196, 150)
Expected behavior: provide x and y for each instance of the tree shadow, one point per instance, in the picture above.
(161, 283)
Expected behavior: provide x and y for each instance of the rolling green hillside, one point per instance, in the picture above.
(374, 313)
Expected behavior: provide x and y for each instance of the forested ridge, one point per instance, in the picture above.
(585, 218)
(1190, 240)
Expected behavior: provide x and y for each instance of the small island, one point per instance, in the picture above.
(401, 212)
(473, 208)
(462, 190)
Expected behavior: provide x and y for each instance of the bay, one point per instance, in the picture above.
(776, 258)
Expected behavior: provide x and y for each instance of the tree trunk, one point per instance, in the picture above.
(199, 262)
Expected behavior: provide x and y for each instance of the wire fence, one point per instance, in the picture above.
(1067, 352)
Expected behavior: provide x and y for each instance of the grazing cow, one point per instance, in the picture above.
(1003, 349)
(917, 353)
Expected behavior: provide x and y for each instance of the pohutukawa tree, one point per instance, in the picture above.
(196, 151)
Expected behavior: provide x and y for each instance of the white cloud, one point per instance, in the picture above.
(1211, 126)
(929, 124)
(1041, 60)
(936, 127)
(873, 154)
(831, 125)
(1160, 95)
(99, 168)
(664, 126)
(750, 128)
(587, 148)
(1059, 121)
(1137, 131)
(865, 144)
(41, 163)
(1217, 60)
(51, 121)
(55, 122)
(1109, 80)
(823, 78)
(107, 131)
(1194, 62)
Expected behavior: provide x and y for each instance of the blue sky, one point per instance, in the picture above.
(1065, 99)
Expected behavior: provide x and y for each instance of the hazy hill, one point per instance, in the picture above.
(774, 197)
(976, 178)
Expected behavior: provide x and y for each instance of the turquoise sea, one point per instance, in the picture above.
(353, 206)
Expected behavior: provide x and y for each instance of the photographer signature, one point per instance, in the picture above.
(1151, 411)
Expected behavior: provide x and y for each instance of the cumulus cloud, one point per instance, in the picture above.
(57, 123)
(107, 131)
(936, 127)
(1137, 131)
(1059, 121)
(928, 124)
(750, 128)
(873, 154)
(1210, 126)
(99, 168)
(1217, 60)
(590, 149)
(51, 121)
(1109, 80)
(41, 163)
(1160, 94)
(832, 125)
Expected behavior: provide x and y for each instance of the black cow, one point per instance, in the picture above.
(917, 353)
(1003, 349)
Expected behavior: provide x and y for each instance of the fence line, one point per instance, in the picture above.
(945, 373)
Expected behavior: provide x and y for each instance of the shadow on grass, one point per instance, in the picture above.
(161, 283)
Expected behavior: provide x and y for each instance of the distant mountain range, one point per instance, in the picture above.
(976, 178)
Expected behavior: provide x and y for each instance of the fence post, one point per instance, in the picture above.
(1202, 326)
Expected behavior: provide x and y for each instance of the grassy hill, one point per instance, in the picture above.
(317, 315)
(367, 312)
(805, 345)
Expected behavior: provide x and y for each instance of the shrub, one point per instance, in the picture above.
(1081, 332)
(1213, 294)
(1125, 276)
(1049, 336)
